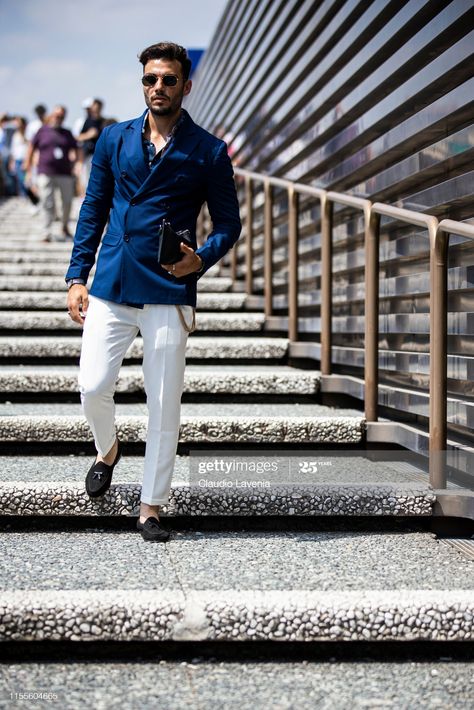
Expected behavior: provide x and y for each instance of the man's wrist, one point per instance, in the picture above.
(202, 265)
(72, 282)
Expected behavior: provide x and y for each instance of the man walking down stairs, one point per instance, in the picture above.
(157, 168)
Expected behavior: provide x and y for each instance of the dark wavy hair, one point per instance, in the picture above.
(167, 50)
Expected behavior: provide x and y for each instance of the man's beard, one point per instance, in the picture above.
(165, 110)
(161, 111)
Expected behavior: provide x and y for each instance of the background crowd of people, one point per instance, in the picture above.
(41, 159)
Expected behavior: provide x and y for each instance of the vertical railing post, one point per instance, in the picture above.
(249, 236)
(371, 308)
(439, 241)
(268, 248)
(326, 284)
(292, 264)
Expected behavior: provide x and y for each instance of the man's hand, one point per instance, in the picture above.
(78, 303)
(189, 263)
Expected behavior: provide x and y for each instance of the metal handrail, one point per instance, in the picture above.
(439, 241)
(327, 201)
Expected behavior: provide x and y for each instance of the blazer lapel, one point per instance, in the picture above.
(132, 141)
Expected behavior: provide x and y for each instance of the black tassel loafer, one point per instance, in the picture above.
(99, 476)
(152, 530)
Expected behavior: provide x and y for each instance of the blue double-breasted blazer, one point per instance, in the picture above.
(194, 169)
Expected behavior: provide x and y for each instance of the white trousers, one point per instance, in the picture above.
(109, 329)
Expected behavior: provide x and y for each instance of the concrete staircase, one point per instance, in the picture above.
(334, 546)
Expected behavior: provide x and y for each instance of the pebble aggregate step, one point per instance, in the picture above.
(24, 241)
(245, 586)
(198, 346)
(54, 485)
(24, 238)
(23, 256)
(194, 429)
(54, 320)
(33, 269)
(219, 408)
(41, 300)
(227, 379)
(209, 683)
(58, 499)
(215, 284)
(208, 615)
(21, 240)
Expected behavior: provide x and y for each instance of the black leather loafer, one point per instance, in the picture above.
(99, 476)
(152, 530)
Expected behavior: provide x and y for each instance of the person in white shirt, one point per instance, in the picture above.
(79, 122)
(18, 150)
(31, 131)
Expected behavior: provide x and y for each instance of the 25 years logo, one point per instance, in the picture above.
(308, 466)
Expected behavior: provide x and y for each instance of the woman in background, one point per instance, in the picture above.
(18, 148)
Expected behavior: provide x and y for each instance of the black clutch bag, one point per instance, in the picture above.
(169, 241)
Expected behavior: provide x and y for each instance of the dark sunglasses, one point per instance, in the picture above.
(151, 79)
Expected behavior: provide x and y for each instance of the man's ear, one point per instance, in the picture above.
(187, 87)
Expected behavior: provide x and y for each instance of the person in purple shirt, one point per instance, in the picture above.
(58, 152)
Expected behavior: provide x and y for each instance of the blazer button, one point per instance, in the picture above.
(133, 203)
(126, 238)
(123, 174)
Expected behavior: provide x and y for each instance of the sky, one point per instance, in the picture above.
(63, 51)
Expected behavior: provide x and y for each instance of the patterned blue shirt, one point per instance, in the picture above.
(151, 156)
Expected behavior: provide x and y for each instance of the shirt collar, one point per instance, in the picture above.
(173, 129)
